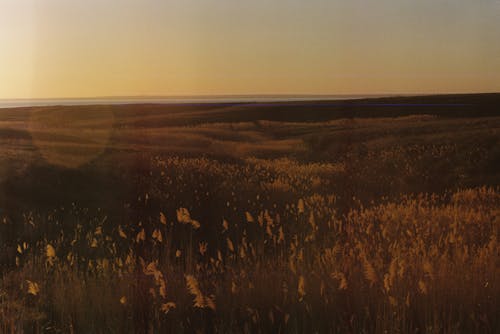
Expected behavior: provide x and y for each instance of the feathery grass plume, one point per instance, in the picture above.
(163, 219)
(391, 275)
(314, 227)
(152, 270)
(50, 252)
(242, 252)
(281, 235)
(269, 231)
(387, 284)
(312, 222)
(225, 225)
(33, 288)
(102, 264)
(157, 235)
(249, 217)
(300, 206)
(184, 217)
(230, 245)
(267, 217)
(121, 233)
(129, 260)
(422, 287)
(70, 258)
(162, 287)
(234, 288)
(301, 288)
(200, 300)
(202, 247)
(393, 267)
(166, 307)
(369, 271)
(141, 236)
(210, 302)
(342, 280)
(300, 255)
(244, 243)
(219, 256)
(402, 268)
(427, 266)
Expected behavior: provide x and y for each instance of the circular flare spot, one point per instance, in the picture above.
(71, 136)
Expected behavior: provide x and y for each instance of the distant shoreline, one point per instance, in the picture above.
(12, 103)
(195, 100)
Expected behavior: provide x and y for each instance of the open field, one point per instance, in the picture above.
(376, 215)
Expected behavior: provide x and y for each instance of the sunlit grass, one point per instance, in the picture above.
(423, 262)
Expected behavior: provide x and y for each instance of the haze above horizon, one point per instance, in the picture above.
(76, 49)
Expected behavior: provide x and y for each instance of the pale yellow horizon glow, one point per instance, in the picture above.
(72, 49)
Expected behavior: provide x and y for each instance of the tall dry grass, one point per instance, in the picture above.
(420, 263)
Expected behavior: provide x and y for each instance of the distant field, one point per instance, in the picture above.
(374, 215)
(422, 143)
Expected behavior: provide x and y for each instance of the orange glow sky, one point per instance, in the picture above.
(92, 48)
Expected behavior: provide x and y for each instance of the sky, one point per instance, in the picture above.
(96, 48)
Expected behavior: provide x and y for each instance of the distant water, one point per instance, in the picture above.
(175, 100)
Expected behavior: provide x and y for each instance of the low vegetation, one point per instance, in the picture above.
(363, 226)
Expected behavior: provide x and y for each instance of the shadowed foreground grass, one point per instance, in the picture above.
(423, 263)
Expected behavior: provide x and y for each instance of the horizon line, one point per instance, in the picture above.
(228, 96)
(210, 99)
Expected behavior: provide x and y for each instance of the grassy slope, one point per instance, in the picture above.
(337, 157)
(123, 137)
